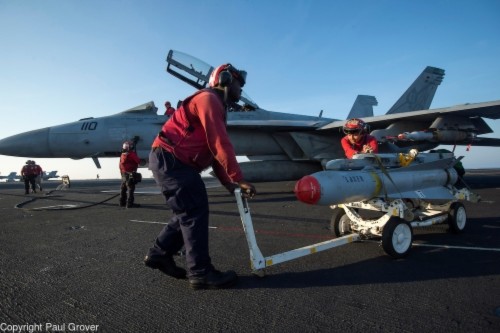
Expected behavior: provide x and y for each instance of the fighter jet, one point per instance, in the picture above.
(11, 177)
(51, 174)
(279, 146)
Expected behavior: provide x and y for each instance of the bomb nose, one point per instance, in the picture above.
(308, 190)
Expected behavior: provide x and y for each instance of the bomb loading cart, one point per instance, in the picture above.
(403, 191)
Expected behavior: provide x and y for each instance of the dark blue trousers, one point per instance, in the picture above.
(128, 185)
(29, 180)
(186, 195)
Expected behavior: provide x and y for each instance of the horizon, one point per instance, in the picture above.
(302, 57)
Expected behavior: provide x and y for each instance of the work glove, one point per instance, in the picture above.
(367, 149)
(247, 189)
(231, 187)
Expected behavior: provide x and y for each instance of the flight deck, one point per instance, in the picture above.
(72, 259)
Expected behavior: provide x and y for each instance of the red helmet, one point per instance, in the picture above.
(224, 74)
(355, 125)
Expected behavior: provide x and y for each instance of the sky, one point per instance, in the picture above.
(63, 60)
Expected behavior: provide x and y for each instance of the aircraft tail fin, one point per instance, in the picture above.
(420, 94)
(49, 175)
(362, 107)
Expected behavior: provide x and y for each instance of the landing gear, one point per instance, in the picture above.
(397, 237)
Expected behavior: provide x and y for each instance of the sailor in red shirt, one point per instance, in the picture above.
(356, 139)
(28, 174)
(129, 162)
(193, 139)
(39, 175)
(169, 110)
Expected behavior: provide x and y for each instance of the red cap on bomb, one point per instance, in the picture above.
(308, 190)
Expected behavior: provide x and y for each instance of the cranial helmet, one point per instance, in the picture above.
(355, 125)
(224, 74)
(127, 145)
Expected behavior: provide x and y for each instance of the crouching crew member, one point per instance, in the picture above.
(356, 139)
(129, 162)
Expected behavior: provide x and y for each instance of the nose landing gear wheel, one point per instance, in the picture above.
(397, 237)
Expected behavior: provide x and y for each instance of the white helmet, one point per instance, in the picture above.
(126, 145)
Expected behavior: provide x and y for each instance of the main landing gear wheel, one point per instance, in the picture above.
(397, 237)
(457, 217)
(340, 224)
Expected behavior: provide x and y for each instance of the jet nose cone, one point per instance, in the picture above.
(28, 144)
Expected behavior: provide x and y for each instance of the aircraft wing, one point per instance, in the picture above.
(460, 124)
(269, 120)
(487, 142)
(490, 110)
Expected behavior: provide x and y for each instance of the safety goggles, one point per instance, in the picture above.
(237, 74)
(352, 131)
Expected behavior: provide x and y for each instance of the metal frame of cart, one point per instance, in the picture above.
(395, 227)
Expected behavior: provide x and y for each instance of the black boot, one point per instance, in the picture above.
(165, 264)
(132, 205)
(213, 280)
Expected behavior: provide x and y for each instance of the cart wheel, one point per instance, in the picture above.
(259, 273)
(457, 217)
(397, 237)
(340, 223)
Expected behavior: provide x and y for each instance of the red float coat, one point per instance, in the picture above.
(38, 169)
(28, 170)
(352, 149)
(196, 135)
(169, 111)
(129, 161)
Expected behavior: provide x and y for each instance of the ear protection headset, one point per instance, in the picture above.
(223, 76)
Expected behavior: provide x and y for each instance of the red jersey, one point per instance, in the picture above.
(129, 161)
(196, 135)
(353, 149)
(38, 169)
(169, 111)
(28, 170)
